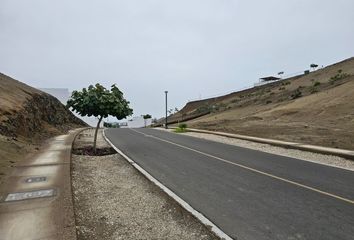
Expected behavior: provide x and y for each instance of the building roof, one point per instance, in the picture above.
(270, 78)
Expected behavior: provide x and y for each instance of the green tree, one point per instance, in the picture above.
(314, 66)
(146, 116)
(100, 102)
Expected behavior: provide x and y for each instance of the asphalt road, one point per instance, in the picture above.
(248, 194)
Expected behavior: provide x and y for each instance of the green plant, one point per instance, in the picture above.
(99, 102)
(313, 89)
(268, 101)
(313, 66)
(316, 84)
(296, 94)
(339, 76)
(182, 127)
(146, 116)
(204, 108)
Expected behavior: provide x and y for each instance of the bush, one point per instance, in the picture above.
(339, 76)
(296, 94)
(316, 84)
(313, 89)
(182, 127)
(204, 108)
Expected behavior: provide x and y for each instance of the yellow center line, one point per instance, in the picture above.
(252, 169)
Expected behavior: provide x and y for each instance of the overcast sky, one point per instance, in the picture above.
(192, 48)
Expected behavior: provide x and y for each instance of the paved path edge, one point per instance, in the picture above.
(76, 134)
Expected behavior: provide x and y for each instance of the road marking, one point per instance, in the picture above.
(204, 220)
(252, 169)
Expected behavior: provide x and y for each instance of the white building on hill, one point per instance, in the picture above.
(63, 95)
(136, 122)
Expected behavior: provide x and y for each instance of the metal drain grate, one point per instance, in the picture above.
(35, 179)
(30, 195)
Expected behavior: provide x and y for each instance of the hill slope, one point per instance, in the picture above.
(317, 108)
(28, 117)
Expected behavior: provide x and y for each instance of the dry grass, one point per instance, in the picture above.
(322, 115)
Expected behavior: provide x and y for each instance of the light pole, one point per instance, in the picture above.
(166, 109)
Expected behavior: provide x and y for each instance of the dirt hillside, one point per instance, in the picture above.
(27, 118)
(316, 108)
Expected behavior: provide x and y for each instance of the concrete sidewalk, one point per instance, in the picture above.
(36, 199)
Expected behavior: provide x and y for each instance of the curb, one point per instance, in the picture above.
(293, 145)
(71, 177)
(216, 230)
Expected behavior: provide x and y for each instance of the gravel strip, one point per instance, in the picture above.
(330, 160)
(113, 201)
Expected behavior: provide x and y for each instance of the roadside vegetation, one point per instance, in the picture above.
(100, 102)
(182, 128)
(305, 108)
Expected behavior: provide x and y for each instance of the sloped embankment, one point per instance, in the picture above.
(28, 117)
(315, 108)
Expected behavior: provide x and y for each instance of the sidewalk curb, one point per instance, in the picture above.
(216, 230)
(293, 145)
(71, 177)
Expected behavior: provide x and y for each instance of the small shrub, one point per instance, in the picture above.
(313, 89)
(182, 127)
(204, 108)
(296, 94)
(339, 76)
(268, 101)
(316, 84)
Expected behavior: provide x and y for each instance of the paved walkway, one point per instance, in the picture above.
(36, 200)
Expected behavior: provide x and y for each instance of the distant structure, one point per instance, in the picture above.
(266, 80)
(136, 122)
(63, 95)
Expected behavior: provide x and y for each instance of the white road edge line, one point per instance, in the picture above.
(215, 229)
(252, 169)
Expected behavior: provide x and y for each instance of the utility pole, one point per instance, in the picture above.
(166, 109)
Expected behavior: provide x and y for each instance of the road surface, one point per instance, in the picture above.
(248, 194)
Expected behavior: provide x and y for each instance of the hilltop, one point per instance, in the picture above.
(28, 117)
(315, 108)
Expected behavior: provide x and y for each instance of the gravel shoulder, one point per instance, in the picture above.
(112, 200)
(329, 160)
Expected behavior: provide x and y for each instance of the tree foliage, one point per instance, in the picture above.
(100, 102)
(146, 116)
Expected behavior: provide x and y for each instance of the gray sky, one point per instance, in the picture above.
(191, 48)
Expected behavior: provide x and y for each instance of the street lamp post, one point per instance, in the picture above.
(166, 108)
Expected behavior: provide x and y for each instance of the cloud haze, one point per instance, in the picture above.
(190, 48)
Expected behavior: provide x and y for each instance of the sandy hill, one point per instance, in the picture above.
(317, 108)
(28, 117)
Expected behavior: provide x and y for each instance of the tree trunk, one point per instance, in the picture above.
(95, 139)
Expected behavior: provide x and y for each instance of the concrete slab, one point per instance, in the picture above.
(36, 200)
